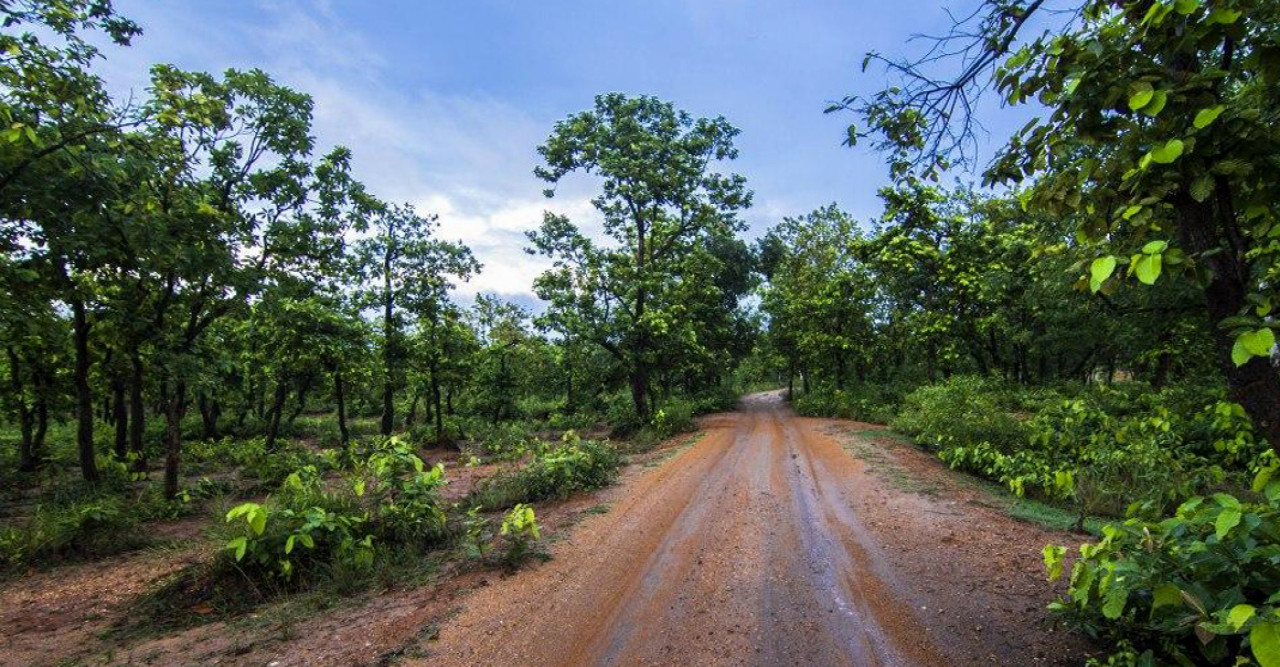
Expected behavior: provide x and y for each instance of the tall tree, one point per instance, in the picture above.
(1159, 142)
(660, 199)
(404, 269)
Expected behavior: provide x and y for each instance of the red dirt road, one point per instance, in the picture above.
(767, 543)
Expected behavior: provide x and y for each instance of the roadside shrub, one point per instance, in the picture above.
(964, 410)
(1106, 452)
(388, 497)
(558, 471)
(578, 421)
(865, 402)
(620, 414)
(674, 417)
(521, 533)
(89, 527)
(1198, 587)
(506, 441)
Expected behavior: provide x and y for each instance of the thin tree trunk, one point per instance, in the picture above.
(277, 407)
(210, 411)
(137, 416)
(435, 401)
(84, 395)
(302, 402)
(339, 397)
(173, 438)
(411, 417)
(120, 414)
(388, 351)
(26, 452)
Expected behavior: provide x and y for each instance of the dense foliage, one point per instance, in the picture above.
(190, 267)
(1101, 331)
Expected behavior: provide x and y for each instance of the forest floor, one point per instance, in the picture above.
(771, 539)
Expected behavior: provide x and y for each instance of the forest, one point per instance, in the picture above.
(210, 323)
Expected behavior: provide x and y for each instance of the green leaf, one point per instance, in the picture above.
(1164, 595)
(1155, 247)
(1240, 354)
(1156, 105)
(1264, 640)
(1227, 519)
(1053, 558)
(1206, 116)
(1240, 614)
(1259, 341)
(239, 545)
(1147, 268)
(258, 520)
(1223, 16)
(1202, 187)
(1115, 599)
(1186, 7)
(1170, 151)
(288, 545)
(1100, 271)
(1140, 96)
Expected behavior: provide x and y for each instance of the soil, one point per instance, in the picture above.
(767, 543)
(771, 540)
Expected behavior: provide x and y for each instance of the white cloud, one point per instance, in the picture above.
(467, 158)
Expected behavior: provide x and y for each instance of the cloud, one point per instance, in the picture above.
(466, 157)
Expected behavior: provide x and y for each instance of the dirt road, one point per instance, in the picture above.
(769, 543)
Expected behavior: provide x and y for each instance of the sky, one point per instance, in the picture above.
(444, 102)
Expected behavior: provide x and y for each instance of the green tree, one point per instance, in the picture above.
(1159, 143)
(403, 269)
(659, 201)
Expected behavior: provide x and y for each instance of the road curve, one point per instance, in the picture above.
(744, 549)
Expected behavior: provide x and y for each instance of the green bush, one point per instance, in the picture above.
(505, 441)
(1198, 587)
(521, 533)
(1106, 451)
(674, 417)
(387, 497)
(558, 471)
(866, 402)
(88, 527)
(964, 410)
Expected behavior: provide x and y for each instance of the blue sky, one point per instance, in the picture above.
(445, 102)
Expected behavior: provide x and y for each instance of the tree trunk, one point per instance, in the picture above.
(640, 392)
(84, 396)
(277, 407)
(302, 402)
(435, 401)
(173, 438)
(26, 458)
(137, 416)
(339, 397)
(120, 415)
(42, 427)
(388, 347)
(1256, 384)
(412, 416)
(210, 411)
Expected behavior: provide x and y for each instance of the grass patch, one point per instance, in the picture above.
(668, 453)
(1031, 510)
(857, 442)
(1046, 515)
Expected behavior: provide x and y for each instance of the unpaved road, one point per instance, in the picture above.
(769, 543)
